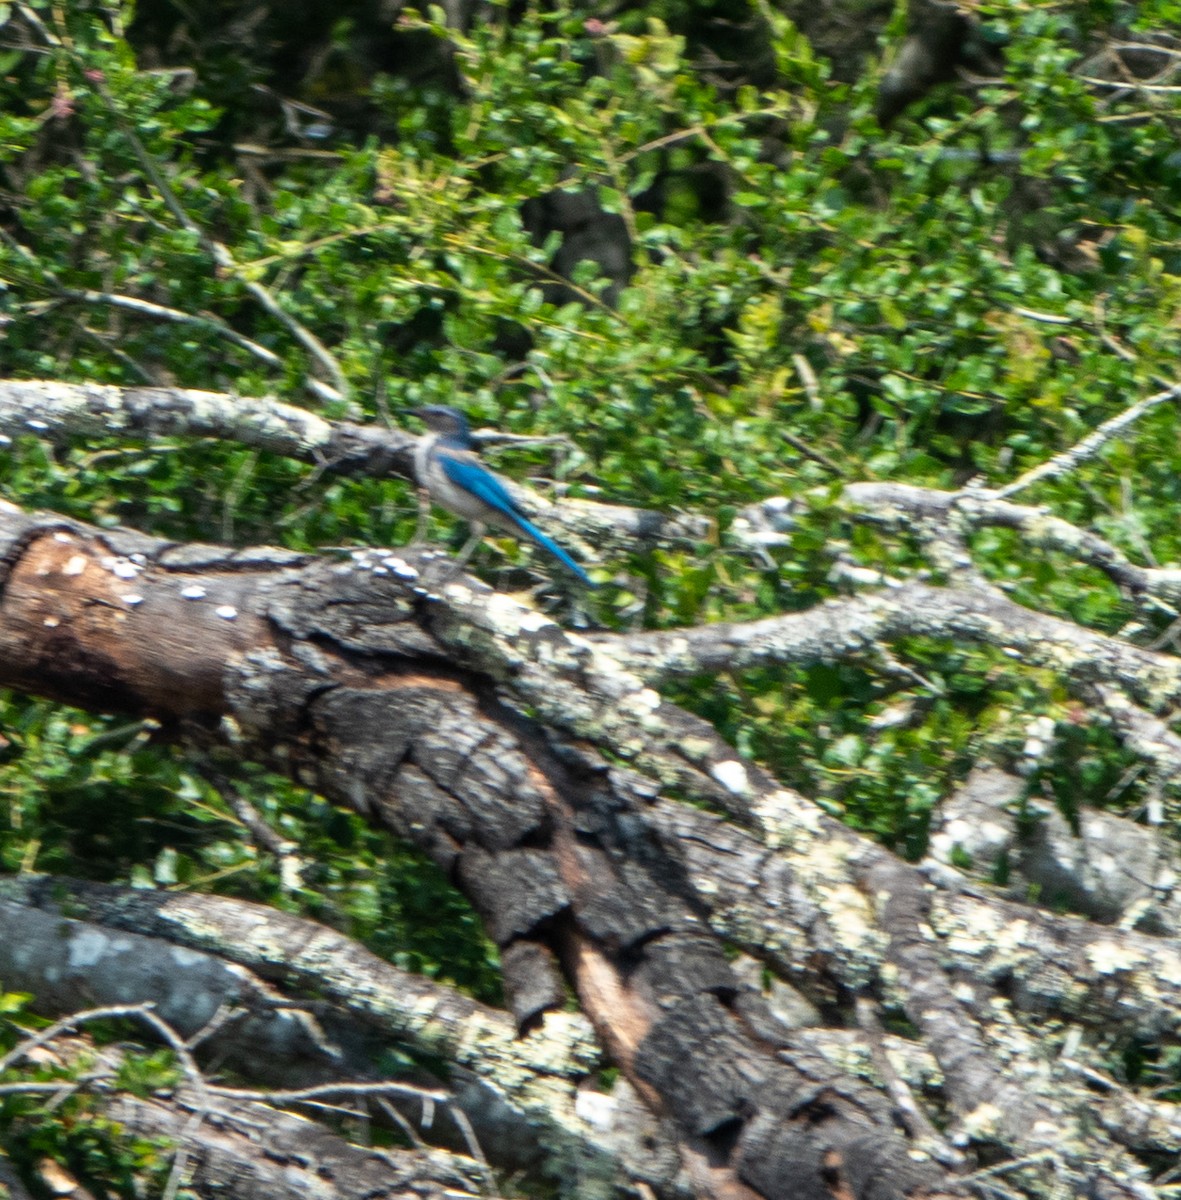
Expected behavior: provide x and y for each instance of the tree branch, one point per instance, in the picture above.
(60, 412)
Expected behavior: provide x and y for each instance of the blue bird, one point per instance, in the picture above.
(449, 472)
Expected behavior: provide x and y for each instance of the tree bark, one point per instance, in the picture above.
(405, 700)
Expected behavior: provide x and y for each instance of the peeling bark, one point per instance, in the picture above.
(390, 687)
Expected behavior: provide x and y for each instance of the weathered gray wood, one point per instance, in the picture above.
(393, 690)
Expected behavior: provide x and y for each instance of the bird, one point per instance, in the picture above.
(448, 470)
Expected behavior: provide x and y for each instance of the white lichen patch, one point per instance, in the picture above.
(786, 816)
(291, 871)
(401, 568)
(186, 958)
(678, 649)
(696, 749)
(1166, 966)
(507, 616)
(132, 599)
(595, 1108)
(992, 833)
(227, 612)
(231, 730)
(849, 915)
(75, 565)
(1109, 956)
(533, 622)
(1105, 864)
(567, 1039)
(644, 700)
(124, 568)
(982, 1123)
(1045, 1133)
(194, 591)
(88, 947)
(941, 846)
(460, 593)
(641, 705)
(975, 940)
(1011, 936)
(732, 776)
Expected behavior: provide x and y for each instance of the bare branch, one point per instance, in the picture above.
(848, 630)
(1060, 464)
(64, 411)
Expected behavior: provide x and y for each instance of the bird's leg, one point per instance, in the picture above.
(424, 516)
(469, 547)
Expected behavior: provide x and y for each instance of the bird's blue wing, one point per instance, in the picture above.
(482, 484)
(469, 475)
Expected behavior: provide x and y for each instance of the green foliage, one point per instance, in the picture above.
(95, 797)
(792, 270)
(66, 1127)
(71, 1132)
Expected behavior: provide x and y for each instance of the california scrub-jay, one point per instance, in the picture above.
(448, 470)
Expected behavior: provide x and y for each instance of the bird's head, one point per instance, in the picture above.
(447, 421)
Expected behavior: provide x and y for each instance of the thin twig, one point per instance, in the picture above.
(908, 1110)
(143, 308)
(1091, 444)
(1044, 318)
(221, 254)
(401, 1122)
(223, 1016)
(33, 1087)
(33, 1041)
(182, 1158)
(812, 453)
(136, 1012)
(1129, 85)
(284, 849)
(474, 1149)
(146, 308)
(322, 1090)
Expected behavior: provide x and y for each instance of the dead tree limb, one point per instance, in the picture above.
(406, 701)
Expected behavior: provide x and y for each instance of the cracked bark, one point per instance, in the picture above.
(407, 701)
(542, 846)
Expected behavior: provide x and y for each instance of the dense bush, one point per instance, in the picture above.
(806, 300)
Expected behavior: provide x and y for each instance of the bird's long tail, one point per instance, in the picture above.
(531, 530)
